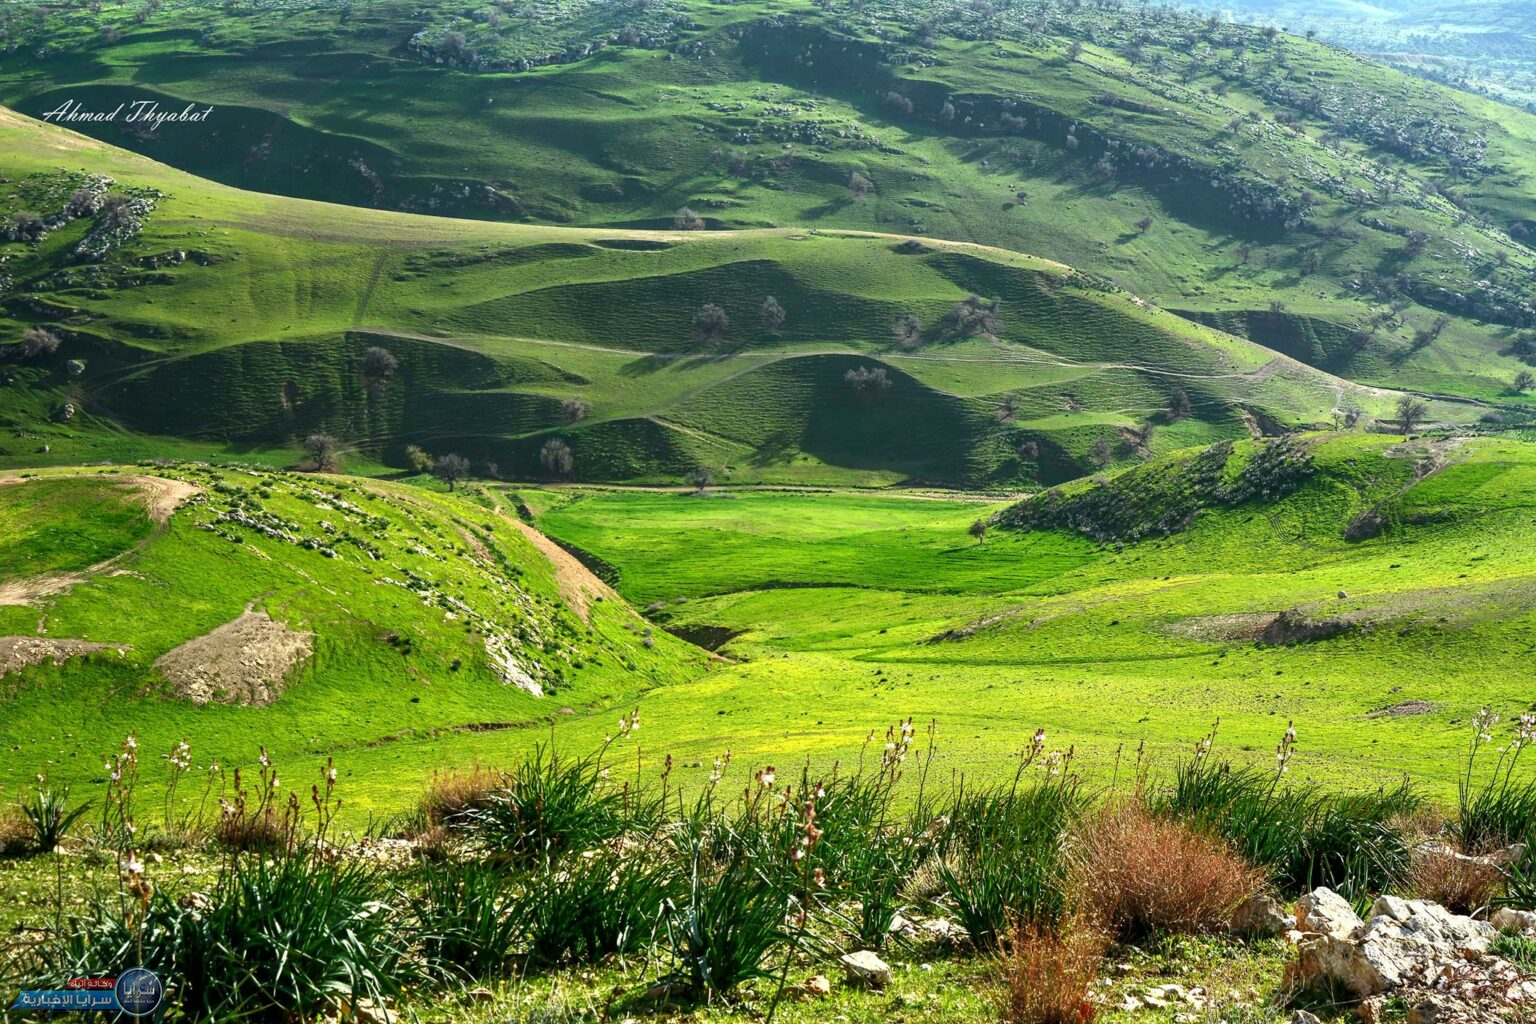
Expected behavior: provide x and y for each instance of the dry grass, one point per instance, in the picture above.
(450, 796)
(1461, 886)
(1138, 874)
(1047, 973)
(16, 833)
(261, 832)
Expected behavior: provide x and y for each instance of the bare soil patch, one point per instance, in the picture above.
(246, 661)
(578, 585)
(19, 652)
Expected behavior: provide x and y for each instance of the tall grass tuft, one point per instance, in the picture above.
(1499, 810)
(1048, 971)
(1001, 856)
(277, 940)
(463, 919)
(47, 811)
(451, 798)
(551, 804)
(587, 907)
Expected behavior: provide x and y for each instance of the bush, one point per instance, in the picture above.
(463, 919)
(47, 811)
(1139, 874)
(1047, 973)
(724, 925)
(1001, 857)
(1460, 884)
(452, 796)
(277, 940)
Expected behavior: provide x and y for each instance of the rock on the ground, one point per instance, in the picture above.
(1303, 1017)
(819, 986)
(1260, 915)
(1403, 942)
(865, 968)
(1508, 919)
(1324, 912)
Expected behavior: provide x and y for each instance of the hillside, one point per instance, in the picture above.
(1321, 204)
(315, 616)
(194, 319)
(1374, 591)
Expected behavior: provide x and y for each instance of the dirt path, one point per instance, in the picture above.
(578, 586)
(162, 497)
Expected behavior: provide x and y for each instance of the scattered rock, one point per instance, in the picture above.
(1260, 916)
(1508, 919)
(19, 652)
(245, 661)
(943, 930)
(818, 986)
(1324, 912)
(1303, 1017)
(867, 969)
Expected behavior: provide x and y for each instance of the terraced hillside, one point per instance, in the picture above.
(1376, 591)
(315, 616)
(1357, 218)
(156, 313)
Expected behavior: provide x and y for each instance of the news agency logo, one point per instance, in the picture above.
(136, 993)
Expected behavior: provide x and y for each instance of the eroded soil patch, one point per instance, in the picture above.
(19, 652)
(246, 661)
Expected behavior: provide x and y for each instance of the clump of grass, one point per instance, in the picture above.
(48, 813)
(1001, 855)
(452, 797)
(1499, 810)
(16, 832)
(463, 918)
(591, 906)
(551, 804)
(1048, 971)
(278, 939)
(1354, 843)
(1139, 874)
(727, 921)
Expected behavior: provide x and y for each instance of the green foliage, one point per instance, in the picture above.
(551, 804)
(594, 904)
(727, 920)
(1499, 810)
(49, 813)
(463, 917)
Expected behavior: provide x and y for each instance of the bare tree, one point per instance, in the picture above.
(907, 331)
(974, 317)
(701, 478)
(1099, 454)
(574, 409)
(557, 458)
(859, 187)
(868, 380)
(1411, 412)
(418, 459)
(324, 452)
(1523, 382)
(450, 469)
(1178, 405)
(686, 220)
(773, 315)
(710, 323)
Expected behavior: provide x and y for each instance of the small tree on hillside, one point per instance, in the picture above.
(687, 220)
(701, 478)
(574, 410)
(978, 529)
(1099, 454)
(1178, 405)
(1523, 382)
(1145, 224)
(379, 366)
(907, 332)
(418, 459)
(773, 315)
(38, 341)
(1410, 412)
(710, 323)
(450, 469)
(868, 380)
(324, 452)
(974, 317)
(859, 187)
(557, 458)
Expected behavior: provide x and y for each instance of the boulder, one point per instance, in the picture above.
(867, 969)
(1403, 942)
(1324, 912)
(1303, 1017)
(1508, 919)
(1260, 916)
(818, 986)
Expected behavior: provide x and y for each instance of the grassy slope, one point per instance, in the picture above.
(339, 109)
(257, 339)
(838, 600)
(400, 617)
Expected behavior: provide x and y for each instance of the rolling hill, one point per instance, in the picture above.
(1362, 220)
(217, 321)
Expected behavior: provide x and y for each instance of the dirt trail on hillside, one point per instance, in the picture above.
(19, 652)
(162, 497)
(578, 586)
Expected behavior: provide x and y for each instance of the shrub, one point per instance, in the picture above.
(1499, 810)
(1139, 874)
(557, 458)
(38, 341)
(452, 796)
(1461, 885)
(463, 919)
(47, 811)
(588, 907)
(550, 805)
(16, 832)
(324, 452)
(725, 923)
(1001, 856)
(1047, 973)
(286, 939)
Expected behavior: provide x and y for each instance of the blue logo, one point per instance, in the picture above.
(138, 992)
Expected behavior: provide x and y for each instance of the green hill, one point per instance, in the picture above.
(311, 615)
(1322, 204)
(194, 319)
